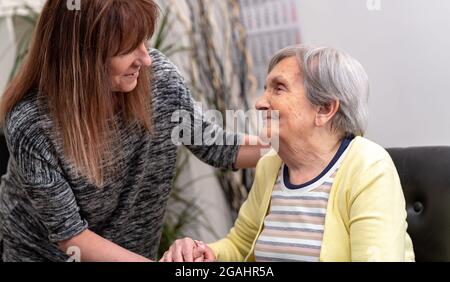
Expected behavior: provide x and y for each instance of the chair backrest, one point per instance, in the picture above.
(425, 177)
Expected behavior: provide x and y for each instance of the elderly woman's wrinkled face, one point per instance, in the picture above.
(285, 93)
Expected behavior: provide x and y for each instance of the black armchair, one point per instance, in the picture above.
(425, 177)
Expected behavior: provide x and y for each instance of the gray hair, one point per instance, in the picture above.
(330, 75)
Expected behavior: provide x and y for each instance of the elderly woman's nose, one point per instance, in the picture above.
(262, 104)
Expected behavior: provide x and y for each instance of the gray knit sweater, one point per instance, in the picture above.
(43, 201)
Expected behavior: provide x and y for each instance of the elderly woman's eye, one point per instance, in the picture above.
(280, 88)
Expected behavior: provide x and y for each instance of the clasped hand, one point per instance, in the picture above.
(188, 250)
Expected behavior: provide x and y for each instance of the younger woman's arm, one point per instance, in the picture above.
(94, 248)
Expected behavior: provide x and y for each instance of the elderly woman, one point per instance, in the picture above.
(328, 194)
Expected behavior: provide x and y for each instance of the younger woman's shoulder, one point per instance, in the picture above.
(162, 66)
(169, 85)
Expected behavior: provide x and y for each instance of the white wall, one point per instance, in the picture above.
(205, 192)
(405, 48)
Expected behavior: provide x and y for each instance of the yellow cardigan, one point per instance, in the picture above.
(366, 215)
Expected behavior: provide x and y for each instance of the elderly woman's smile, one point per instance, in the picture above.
(285, 93)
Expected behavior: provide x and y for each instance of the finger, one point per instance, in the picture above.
(187, 249)
(168, 256)
(176, 254)
(209, 254)
(199, 250)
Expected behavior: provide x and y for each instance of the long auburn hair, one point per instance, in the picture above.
(67, 65)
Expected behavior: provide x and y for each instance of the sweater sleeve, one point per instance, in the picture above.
(209, 142)
(377, 213)
(43, 183)
(201, 133)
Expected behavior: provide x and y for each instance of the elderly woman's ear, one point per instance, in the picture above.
(326, 113)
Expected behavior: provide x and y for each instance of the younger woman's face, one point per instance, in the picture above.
(124, 69)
